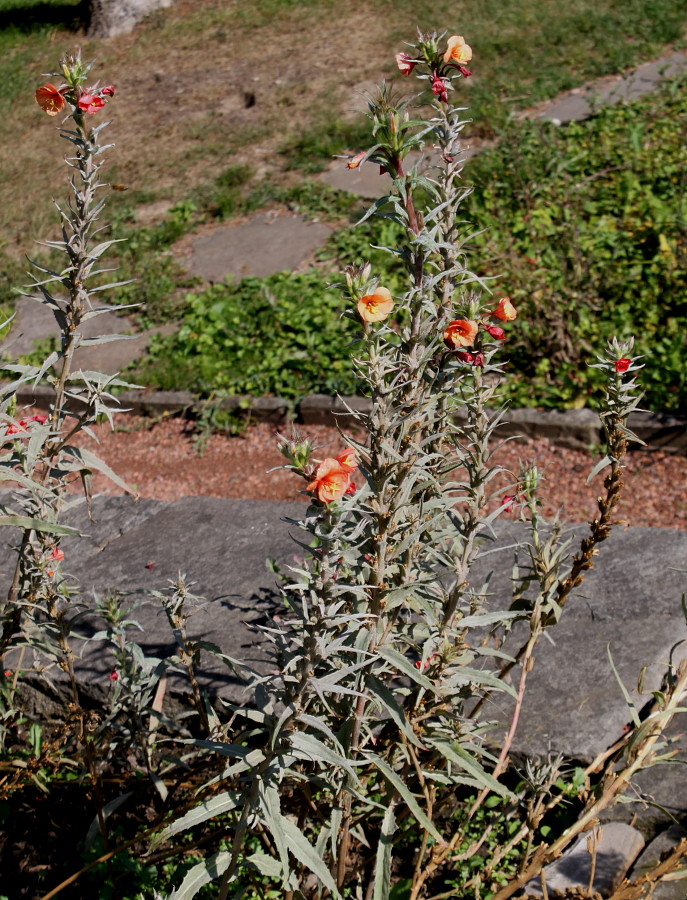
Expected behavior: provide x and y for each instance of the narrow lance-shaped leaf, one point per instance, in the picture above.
(410, 800)
(384, 856)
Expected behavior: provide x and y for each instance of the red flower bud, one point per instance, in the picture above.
(622, 365)
(496, 332)
(464, 356)
(466, 73)
(114, 675)
(479, 360)
(439, 88)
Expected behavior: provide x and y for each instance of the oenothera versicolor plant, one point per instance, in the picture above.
(364, 766)
(38, 456)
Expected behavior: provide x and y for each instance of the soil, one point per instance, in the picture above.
(161, 461)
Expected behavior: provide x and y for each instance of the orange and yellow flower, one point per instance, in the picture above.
(50, 99)
(331, 480)
(347, 459)
(457, 51)
(377, 306)
(505, 310)
(460, 333)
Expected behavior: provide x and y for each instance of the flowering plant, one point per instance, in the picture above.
(362, 768)
(371, 724)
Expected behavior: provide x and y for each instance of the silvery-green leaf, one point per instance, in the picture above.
(315, 750)
(411, 801)
(37, 525)
(306, 854)
(107, 809)
(208, 809)
(405, 666)
(266, 865)
(209, 870)
(91, 461)
(388, 701)
(384, 855)
(455, 754)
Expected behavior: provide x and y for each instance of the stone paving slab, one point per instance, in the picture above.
(573, 704)
(617, 847)
(583, 102)
(651, 856)
(261, 246)
(33, 321)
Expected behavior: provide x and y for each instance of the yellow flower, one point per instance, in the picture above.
(375, 307)
(457, 51)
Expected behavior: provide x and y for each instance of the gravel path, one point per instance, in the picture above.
(161, 463)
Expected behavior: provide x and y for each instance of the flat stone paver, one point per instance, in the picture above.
(33, 321)
(617, 847)
(582, 102)
(573, 704)
(261, 246)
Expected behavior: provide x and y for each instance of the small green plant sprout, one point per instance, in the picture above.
(364, 767)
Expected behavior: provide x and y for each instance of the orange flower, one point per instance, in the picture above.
(347, 459)
(457, 51)
(355, 162)
(505, 310)
(375, 307)
(49, 99)
(460, 333)
(331, 480)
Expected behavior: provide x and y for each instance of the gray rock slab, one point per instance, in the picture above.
(573, 705)
(261, 246)
(617, 847)
(34, 321)
(583, 102)
(220, 545)
(650, 857)
(629, 601)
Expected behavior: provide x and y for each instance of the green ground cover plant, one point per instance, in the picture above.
(367, 763)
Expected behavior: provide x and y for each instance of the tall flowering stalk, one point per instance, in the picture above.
(370, 723)
(38, 457)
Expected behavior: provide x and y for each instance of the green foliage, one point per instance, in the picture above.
(282, 335)
(586, 225)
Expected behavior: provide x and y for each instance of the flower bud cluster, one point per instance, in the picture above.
(90, 100)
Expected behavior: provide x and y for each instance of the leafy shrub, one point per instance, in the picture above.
(586, 226)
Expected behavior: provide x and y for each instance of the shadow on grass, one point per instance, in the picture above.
(29, 17)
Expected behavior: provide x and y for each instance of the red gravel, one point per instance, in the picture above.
(160, 462)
